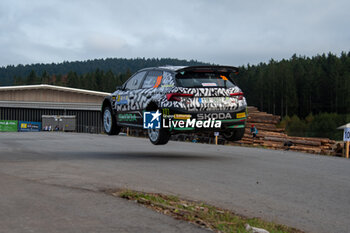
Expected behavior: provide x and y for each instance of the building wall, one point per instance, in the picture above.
(87, 121)
(48, 95)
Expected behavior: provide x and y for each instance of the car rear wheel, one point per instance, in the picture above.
(109, 122)
(159, 136)
(234, 135)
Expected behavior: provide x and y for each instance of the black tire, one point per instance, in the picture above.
(109, 122)
(234, 135)
(158, 136)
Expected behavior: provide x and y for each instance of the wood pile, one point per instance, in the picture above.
(269, 136)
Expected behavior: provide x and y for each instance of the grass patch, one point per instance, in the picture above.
(214, 218)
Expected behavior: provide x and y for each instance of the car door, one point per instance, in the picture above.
(128, 108)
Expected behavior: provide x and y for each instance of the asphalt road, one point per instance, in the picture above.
(51, 182)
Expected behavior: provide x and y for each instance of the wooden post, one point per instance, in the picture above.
(216, 134)
(347, 149)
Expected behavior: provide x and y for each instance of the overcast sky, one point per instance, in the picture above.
(217, 31)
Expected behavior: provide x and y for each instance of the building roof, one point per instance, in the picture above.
(344, 126)
(51, 105)
(52, 87)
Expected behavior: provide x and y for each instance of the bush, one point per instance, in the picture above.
(322, 125)
(296, 127)
(284, 122)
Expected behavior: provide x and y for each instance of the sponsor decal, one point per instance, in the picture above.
(8, 126)
(122, 99)
(127, 117)
(217, 116)
(182, 116)
(167, 85)
(165, 111)
(151, 120)
(240, 115)
(166, 114)
(24, 126)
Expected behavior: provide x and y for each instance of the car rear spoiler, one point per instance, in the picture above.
(224, 69)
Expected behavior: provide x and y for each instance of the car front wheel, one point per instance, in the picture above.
(159, 136)
(109, 122)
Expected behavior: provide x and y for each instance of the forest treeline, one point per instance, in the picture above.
(311, 94)
(115, 65)
(97, 80)
(300, 85)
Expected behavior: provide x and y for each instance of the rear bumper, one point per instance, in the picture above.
(229, 120)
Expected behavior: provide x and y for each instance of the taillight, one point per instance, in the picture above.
(239, 94)
(176, 96)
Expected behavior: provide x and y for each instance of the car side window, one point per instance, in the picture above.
(135, 81)
(168, 80)
(153, 79)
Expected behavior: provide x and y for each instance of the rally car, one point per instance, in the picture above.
(177, 99)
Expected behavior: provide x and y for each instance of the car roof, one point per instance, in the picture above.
(172, 68)
(194, 68)
(167, 68)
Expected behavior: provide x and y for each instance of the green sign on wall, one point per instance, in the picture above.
(8, 126)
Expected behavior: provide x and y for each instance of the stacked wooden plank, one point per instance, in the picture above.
(272, 137)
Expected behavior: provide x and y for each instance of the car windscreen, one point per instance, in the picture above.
(193, 79)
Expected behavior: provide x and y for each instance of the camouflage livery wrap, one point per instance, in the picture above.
(204, 99)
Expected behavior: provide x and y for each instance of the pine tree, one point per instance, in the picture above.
(32, 78)
(72, 79)
(45, 78)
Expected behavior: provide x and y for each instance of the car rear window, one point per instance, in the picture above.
(197, 79)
